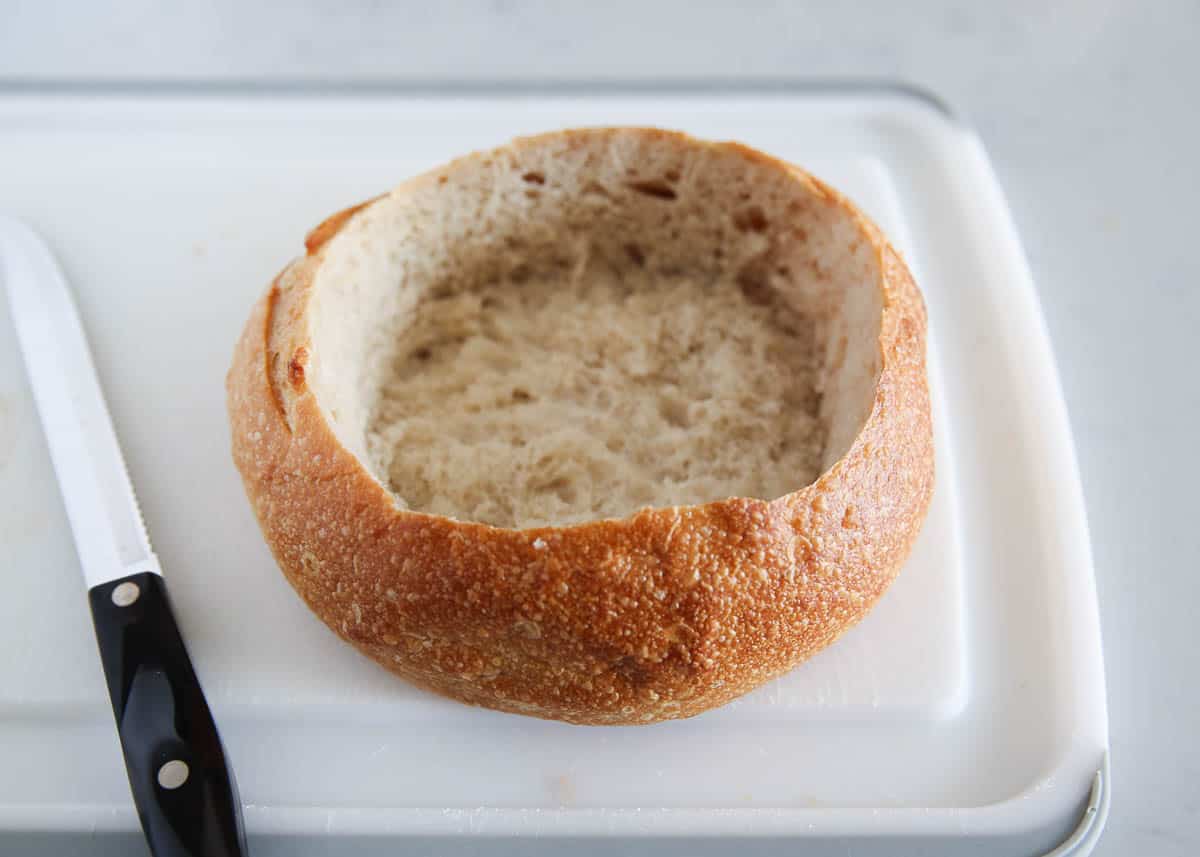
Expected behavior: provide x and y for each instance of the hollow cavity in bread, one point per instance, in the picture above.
(592, 391)
(574, 334)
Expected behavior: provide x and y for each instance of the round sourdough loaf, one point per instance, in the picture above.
(608, 426)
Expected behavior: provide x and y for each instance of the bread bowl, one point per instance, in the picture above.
(608, 426)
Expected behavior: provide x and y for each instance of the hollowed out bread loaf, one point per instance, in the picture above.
(607, 426)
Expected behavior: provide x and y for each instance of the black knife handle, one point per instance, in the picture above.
(183, 787)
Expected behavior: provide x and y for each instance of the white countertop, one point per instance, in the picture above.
(1089, 113)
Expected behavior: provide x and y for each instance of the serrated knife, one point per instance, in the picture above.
(182, 784)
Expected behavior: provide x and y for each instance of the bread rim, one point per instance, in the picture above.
(663, 614)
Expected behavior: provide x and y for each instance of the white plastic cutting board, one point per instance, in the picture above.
(970, 702)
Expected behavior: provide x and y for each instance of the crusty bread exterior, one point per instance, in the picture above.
(662, 614)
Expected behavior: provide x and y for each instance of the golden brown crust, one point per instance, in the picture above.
(660, 615)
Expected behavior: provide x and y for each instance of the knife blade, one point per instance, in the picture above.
(182, 784)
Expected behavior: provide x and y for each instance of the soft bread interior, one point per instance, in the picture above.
(581, 325)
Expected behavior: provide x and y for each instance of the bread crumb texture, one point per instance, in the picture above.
(592, 394)
(609, 426)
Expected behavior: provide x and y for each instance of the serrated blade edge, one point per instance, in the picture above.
(106, 520)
